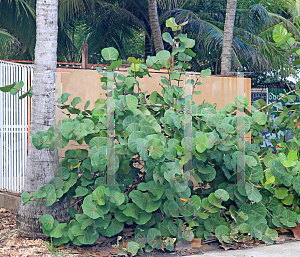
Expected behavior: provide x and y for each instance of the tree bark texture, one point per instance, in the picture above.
(42, 164)
(228, 37)
(148, 43)
(154, 24)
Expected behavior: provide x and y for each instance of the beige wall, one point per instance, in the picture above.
(86, 84)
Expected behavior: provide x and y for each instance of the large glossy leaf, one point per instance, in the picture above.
(152, 235)
(57, 231)
(253, 192)
(156, 148)
(47, 221)
(132, 247)
(62, 173)
(117, 198)
(162, 57)
(132, 210)
(114, 228)
(142, 148)
(132, 140)
(89, 237)
(222, 194)
(131, 102)
(50, 199)
(110, 54)
(201, 143)
(91, 209)
(97, 142)
(281, 192)
(139, 198)
(81, 191)
(223, 233)
(260, 118)
(173, 209)
(98, 195)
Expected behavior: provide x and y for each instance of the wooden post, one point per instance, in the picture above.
(84, 56)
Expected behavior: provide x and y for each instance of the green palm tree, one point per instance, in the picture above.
(228, 37)
(17, 19)
(99, 23)
(253, 46)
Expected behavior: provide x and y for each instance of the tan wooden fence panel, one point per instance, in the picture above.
(87, 85)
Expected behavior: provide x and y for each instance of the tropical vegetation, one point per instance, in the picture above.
(245, 192)
(118, 22)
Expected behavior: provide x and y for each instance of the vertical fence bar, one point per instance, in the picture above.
(13, 127)
(188, 137)
(1, 129)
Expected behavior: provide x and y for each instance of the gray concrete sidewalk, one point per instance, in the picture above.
(291, 249)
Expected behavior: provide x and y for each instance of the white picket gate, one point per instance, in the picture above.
(14, 121)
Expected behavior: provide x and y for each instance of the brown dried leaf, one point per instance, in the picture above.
(190, 251)
(196, 242)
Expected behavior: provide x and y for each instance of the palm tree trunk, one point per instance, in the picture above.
(154, 24)
(42, 164)
(148, 43)
(228, 37)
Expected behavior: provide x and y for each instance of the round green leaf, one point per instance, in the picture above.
(296, 185)
(156, 149)
(288, 200)
(173, 209)
(110, 54)
(223, 194)
(50, 198)
(98, 195)
(132, 210)
(47, 221)
(117, 198)
(67, 129)
(138, 198)
(72, 211)
(62, 173)
(97, 141)
(260, 118)
(114, 228)
(89, 236)
(223, 233)
(76, 101)
(132, 143)
(253, 193)
(162, 57)
(90, 208)
(132, 247)
(57, 231)
(278, 33)
(167, 37)
(81, 191)
(152, 235)
(244, 228)
(201, 142)
(131, 102)
(281, 192)
(250, 160)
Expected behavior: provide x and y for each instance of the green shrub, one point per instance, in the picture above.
(246, 191)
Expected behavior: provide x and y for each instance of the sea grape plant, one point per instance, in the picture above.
(153, 190)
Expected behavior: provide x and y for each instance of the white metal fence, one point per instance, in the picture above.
(14, 121)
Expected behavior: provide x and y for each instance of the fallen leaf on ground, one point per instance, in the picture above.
(282, 230)
(228, 246)
(190, 251)
(196, 242)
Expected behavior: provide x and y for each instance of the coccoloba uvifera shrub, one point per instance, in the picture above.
(154, 161)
